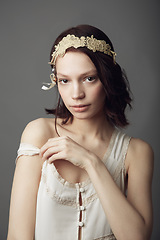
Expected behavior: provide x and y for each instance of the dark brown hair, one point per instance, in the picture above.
(111, 75)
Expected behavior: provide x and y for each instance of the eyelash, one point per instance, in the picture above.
(62, 81)
(65, 81)
(92, 78)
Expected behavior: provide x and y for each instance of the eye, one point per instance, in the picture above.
(90, 79)
(63, 81)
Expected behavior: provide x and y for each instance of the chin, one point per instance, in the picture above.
(83, 116)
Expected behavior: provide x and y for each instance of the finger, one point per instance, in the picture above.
(51, 151)
(53, 142)
(56, 156)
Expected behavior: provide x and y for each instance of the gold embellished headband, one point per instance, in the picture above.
(91, 43)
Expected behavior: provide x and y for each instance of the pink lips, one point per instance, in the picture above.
(80, 108)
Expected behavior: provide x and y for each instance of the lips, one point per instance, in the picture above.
(80, 107)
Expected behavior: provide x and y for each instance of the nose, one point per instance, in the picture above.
(77, 91)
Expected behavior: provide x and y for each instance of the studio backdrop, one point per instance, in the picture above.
(27, 31)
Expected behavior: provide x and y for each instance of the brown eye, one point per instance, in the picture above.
(63, 81)
(90, 79)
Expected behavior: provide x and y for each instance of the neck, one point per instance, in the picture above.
(97, 127)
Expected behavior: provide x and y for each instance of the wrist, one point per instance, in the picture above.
(91, 162)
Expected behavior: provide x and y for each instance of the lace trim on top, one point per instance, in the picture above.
(66, 201)
(108, 237)
(31, 150)
(87, 181)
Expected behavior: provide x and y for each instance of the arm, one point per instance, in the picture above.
(131, 217)
(25, 187)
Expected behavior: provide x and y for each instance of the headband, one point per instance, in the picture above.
(91, 43)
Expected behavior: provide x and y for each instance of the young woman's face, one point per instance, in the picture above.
(79, 86)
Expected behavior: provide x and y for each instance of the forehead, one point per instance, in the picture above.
(74, 61)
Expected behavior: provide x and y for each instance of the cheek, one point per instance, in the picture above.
(63, 93)
(98, 93)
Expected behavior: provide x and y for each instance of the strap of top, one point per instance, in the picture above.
(27, 150)
(119, 154)
(121, 145)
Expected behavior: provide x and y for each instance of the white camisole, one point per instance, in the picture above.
(58, 201)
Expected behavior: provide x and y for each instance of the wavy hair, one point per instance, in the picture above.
(113, 78)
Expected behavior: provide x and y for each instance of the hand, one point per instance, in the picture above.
(67, 149)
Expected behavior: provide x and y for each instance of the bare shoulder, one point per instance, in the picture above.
(140, 148)
(140, 155)
(38, 131)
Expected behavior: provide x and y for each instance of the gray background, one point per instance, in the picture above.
(27, 31)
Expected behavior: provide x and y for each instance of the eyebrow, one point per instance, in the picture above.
(81, 75)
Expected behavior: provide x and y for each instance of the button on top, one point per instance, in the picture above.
(81, 190)
(81, 224)
(82, 208)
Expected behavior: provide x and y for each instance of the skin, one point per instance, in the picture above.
(76, 155)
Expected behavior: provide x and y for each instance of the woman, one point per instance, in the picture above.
(72, 171)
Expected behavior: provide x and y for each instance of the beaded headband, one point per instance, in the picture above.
(72, 41)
